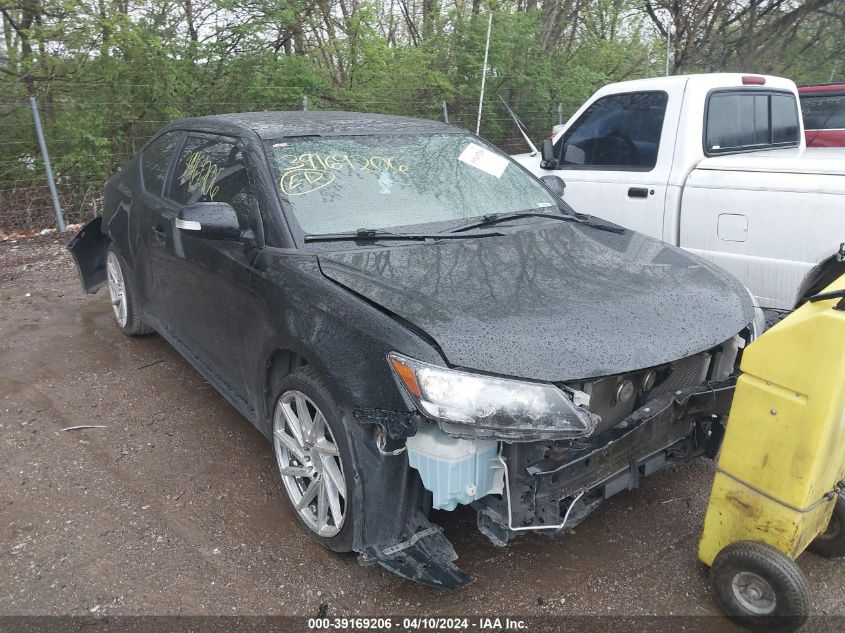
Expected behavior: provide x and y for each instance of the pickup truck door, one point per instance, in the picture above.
(616, 158)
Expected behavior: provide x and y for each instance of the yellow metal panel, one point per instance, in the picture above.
(785, 435)
(738, 513)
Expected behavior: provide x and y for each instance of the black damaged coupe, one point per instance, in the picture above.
(416, 322)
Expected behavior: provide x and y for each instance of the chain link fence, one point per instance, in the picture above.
(88, 139)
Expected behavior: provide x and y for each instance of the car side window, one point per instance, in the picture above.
(213, 170)
(823, 112)
(616, 132)
(155, 160)
(742, 120)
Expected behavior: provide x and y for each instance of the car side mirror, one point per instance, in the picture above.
(555, 183)
(211, 220)
(548, 155)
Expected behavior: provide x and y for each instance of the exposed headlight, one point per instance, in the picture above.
(467, 404)
(758, 325)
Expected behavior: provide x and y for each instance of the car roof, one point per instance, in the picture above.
(822, 88)
(280, 124)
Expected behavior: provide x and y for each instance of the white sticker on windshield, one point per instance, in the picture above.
(483, 159)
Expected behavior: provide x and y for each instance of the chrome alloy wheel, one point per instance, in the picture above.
(309, 462)
(117, 288)
(754, 593)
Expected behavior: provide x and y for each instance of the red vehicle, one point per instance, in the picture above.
(823, 108)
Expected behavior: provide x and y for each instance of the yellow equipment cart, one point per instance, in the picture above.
(779, 481)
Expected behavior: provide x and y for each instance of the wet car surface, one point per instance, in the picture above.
(389, 300)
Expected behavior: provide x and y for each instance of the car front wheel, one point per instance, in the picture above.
(314, 458)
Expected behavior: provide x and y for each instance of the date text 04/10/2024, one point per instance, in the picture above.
(417, 624)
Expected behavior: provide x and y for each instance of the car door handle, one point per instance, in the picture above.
(638, 192)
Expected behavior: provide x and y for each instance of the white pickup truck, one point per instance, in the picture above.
(716, 164)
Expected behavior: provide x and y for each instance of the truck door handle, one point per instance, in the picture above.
(638, 192)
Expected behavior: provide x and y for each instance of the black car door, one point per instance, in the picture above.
(155, 213)
(203, 280)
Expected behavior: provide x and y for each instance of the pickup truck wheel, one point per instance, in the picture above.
(122, 296)
(831, 542)
(760, 588)
(314, 458)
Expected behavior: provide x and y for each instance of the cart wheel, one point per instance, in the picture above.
(831, 542)
(760, 588)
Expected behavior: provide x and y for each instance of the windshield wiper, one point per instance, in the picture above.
(495, 218)
(372, 235)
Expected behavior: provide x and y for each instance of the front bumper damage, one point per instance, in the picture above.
(552, 486)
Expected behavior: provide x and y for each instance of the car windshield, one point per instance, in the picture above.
(341, 184)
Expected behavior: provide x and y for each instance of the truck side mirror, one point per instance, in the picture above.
(555, 183)
(548, 155)
(210, 220)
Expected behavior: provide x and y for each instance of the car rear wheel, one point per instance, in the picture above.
(123, 297)
(314, 459)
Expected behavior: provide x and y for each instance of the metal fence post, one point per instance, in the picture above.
(60, 221)
(445, 113)
(305, 103)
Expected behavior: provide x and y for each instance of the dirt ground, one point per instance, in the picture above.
(174, 507)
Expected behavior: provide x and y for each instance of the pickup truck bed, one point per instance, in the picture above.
(812, 160)
(766, 217)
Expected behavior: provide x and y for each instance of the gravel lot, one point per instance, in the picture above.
(175, 507)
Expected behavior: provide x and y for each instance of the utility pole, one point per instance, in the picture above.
(60, 221)
(668, 49)
(484, 74)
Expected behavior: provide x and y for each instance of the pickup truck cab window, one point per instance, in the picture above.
(155, 160)
(619, 131)
(741, 120)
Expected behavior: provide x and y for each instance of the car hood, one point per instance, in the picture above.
(562, 302)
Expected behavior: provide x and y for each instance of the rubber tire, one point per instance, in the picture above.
(792, 593)
(831, 544)
(135, 325)
(309, 381)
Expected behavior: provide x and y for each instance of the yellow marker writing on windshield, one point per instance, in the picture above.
(306, 173)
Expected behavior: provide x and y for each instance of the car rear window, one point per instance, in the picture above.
(823, 111)
(745, 120)
(156, 159)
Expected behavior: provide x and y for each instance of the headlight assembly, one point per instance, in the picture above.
(473, 405)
